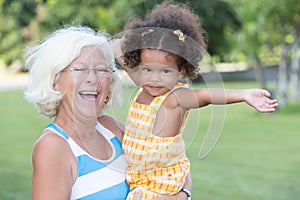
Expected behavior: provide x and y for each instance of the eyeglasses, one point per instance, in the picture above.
(99, 71)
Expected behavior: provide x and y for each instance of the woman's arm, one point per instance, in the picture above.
(53, 169)
(256, 98)
(180, 195)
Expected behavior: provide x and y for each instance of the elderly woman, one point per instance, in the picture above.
(79, 154)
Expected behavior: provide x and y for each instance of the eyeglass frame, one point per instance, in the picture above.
(86, 70)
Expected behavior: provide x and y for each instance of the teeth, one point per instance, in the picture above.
(88, 93)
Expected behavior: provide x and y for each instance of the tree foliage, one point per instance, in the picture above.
(22, 20)
(215, 15)
(59, 13)
(14, 16)
(269, 32)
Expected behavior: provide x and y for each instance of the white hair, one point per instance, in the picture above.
(46, 60)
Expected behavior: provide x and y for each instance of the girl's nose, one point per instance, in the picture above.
(155, 76)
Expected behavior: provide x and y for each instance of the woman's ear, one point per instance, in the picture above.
(56, 83)
(55, 86)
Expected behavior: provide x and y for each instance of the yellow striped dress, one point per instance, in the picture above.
(158, 165)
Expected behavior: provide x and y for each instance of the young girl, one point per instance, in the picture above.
(159, 51)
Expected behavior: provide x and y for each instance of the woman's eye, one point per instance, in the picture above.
(80, 69)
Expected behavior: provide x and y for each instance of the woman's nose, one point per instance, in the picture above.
(92, 76)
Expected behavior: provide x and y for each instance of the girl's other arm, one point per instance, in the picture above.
(116, 46)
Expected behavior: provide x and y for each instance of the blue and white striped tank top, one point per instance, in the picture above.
(98, 179)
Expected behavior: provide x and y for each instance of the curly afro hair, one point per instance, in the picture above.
(173, 28)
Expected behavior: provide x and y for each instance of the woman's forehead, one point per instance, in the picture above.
(91, 54)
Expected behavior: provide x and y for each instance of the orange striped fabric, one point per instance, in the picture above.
(158, 166)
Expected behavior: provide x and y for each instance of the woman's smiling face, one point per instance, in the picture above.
(85, 89)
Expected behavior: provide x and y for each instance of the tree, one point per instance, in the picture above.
(70, 12)
(269, 30)
(28, 20)
(14, 16)
(215, 15)
(295, 68)
(249, 39)
(286, 20)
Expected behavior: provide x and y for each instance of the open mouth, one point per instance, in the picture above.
(90, 96)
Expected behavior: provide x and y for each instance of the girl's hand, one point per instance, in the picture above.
(259, 99)
(116, 46)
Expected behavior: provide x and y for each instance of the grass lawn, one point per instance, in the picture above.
(20, 126)
(256, 156)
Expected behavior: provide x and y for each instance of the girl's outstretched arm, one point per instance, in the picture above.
(256, 98)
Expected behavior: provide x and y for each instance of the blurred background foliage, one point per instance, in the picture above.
(260, 24)
(258, 33)
(27, 21)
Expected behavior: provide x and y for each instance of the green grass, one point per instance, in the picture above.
(19, 128)
(256, 155)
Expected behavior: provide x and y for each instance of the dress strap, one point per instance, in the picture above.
(157, 101)
(56, 129)
(104, 131)
(138, 94)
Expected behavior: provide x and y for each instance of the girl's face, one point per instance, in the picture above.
(158, 72)
(85, 83)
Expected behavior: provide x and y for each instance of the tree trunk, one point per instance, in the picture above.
(294, 73)
(259, 73)
(282, 76)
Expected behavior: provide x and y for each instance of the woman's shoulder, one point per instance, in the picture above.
(50, 142)
(51, 148)
(112, 124)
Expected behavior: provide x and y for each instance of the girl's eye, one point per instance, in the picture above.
(146, 69)
(165, 71)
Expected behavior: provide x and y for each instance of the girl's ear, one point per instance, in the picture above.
(182, 73)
